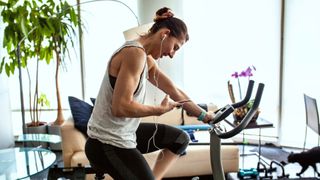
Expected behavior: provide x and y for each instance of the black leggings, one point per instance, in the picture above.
(130, 164)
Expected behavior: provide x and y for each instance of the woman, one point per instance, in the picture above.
(117, 139)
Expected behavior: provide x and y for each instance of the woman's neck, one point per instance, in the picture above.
(146, 42)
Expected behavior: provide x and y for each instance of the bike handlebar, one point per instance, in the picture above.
(247, 97)
(227, 110)
(224, 112)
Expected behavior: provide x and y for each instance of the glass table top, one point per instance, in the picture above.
(19, 163)
(51, 138)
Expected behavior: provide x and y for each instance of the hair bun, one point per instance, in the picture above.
(163, 13)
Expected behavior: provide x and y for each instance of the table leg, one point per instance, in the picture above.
(259, 145)
(243, 144)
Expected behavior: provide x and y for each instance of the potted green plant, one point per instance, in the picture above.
(42, 31)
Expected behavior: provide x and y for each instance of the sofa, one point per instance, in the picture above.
(195, 162)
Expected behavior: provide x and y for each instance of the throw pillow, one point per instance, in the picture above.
(81, 112)
(93, 100)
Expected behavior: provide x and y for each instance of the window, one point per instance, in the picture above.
(104, 23)
(69, 74)
(229, 36)
(301, 64)
(225, 36)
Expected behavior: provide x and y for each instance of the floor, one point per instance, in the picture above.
(251, 159)
(289, 169)
(246, 162)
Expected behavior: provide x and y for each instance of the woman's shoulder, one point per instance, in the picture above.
(132, 48)
(131, 55)
(134, 43)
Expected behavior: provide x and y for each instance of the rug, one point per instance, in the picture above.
(273, 153)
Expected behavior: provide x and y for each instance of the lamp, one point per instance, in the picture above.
(91, 1)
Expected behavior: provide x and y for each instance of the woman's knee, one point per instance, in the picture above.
(181, 143)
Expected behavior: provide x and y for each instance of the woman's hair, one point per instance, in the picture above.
(164, 19)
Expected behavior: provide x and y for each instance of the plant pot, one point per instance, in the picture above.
(241, 112)
(40, 129)
(54, 129)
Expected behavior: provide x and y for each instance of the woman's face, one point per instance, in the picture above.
(165, 44)
(170, 45)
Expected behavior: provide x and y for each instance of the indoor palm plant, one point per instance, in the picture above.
(41, 31)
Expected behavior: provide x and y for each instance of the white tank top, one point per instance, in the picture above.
(103, 126)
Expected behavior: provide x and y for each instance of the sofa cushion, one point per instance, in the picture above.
(79, 158)
(81, 112)
(196, 162)
(93, 100)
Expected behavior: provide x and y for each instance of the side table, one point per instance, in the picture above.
(20, 163)
(259, 123)
(50, 138)
(39, 138)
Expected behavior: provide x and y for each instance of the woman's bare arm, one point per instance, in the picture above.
(163, 82)
(128, 76)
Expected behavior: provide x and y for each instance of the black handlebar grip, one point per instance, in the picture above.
(224, 112)
(247, 97)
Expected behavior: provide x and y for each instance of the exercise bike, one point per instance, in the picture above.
(217, 132)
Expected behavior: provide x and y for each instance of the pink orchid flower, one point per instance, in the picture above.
(246, 73)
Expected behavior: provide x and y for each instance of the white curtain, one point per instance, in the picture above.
(301, 67)
(6, 133)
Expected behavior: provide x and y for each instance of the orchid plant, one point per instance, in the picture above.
(246, 74)
(240, 113)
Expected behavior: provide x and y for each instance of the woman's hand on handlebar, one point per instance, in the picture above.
(209, 117)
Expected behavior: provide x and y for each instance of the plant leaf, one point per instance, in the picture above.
(3, 3)
(23, 26)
